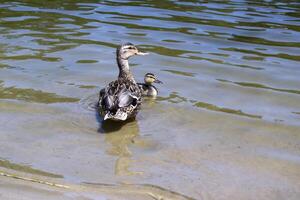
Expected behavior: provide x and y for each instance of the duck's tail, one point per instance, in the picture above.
(117, 116)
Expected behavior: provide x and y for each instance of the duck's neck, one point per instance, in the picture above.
(124, 70)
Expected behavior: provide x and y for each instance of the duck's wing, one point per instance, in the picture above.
(127, 98)
(107, 97)
(108, 102)
(124, 98)
(102, 92)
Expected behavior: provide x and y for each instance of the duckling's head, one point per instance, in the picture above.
(127, 50)
(151, 78)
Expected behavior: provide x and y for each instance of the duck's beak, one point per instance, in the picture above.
(140, 53)
(158, 81)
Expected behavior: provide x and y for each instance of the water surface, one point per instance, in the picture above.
(225, 124)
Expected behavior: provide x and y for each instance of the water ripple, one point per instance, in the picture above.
(196, 41)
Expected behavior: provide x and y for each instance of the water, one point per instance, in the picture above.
(226, 123)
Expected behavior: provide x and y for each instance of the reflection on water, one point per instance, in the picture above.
(258, 53)
(87, 86)
(111, 126)
(174, 97)
(3, 66)
(87, 61)
(179, 72)
(32, 95)
(226, 110)
(256, 85)
(121, 135)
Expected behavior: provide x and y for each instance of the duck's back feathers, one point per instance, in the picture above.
(126, 98)
(120, 100)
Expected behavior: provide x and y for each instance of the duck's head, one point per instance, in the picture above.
(127, 50)
(151, 78)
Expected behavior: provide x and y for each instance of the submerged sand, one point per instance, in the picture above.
(205, 156)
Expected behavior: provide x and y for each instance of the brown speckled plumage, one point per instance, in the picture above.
(147, 88)
(121, 99)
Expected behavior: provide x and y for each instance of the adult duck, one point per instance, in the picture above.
(121, 99)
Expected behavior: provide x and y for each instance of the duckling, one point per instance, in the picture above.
(121, 99)
(147, 88)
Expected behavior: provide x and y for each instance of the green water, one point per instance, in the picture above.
(226, 123)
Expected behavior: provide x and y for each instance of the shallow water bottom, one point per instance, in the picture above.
(17, 187)
(195, 153)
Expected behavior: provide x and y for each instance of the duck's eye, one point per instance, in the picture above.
(130, 47)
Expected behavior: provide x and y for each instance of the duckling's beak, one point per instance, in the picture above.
(140, 53)
(158, 81)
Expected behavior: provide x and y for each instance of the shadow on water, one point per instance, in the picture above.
(110, 126)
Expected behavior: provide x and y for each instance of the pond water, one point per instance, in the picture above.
(226, 123)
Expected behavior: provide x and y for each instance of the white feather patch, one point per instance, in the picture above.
(107, 116)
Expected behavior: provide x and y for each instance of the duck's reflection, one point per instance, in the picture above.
(111, 126)
(120, 136)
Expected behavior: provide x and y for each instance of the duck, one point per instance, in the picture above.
(147, 88)
(121, 99)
